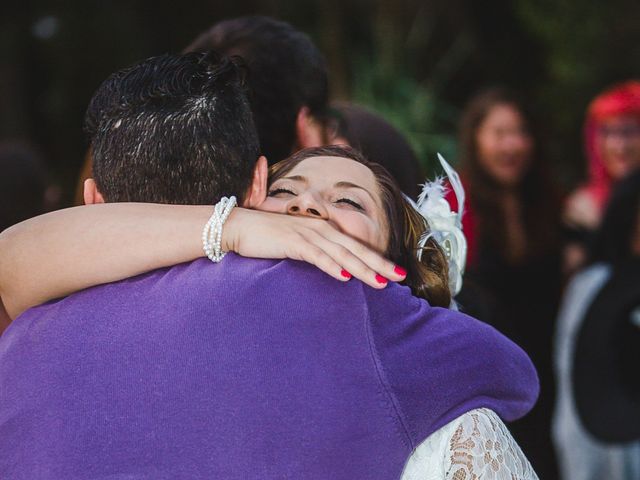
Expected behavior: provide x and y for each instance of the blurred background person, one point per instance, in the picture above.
(380, 142)
(596, 427)
(612, 148)
(512, 227)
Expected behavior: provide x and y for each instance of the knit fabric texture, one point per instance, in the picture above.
(245, 369)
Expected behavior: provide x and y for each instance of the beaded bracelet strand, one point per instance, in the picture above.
(212, 232)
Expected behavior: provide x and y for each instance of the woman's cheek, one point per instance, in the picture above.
(361, 228)
(272, 204)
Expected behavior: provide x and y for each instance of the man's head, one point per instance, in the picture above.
(172, 129)
(287, 79)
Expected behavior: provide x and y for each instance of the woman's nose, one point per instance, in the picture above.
(307, 205)
(515, 141)
(617, 143)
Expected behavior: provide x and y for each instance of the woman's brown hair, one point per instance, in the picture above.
(428, 278)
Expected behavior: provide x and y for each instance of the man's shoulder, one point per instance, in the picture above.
(397, 315)
(201, 280)
(240, 273)
(398, 302)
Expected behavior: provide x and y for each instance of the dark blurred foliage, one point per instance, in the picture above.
(414, 61)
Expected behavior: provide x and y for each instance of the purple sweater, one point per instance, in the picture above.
(246, 369)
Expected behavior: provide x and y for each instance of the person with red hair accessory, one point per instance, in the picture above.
(612, 146)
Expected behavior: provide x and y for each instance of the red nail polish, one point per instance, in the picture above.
(380, 278)
(400, 271)
(345, 274)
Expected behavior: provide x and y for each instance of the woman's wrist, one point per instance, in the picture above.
(212, 232)
(230, 232)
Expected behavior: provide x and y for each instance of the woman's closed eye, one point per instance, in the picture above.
(280, 191)
(353, 203)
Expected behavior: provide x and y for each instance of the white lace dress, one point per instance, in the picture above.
(474, 446)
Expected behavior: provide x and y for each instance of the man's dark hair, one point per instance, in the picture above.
(286, 72)
(173, 129)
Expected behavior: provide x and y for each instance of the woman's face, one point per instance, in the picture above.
(618, 140)
(338, 190)
(504, 145)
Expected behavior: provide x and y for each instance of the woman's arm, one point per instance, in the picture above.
(477, 444)
(64, 251)
(68, 250)
(581, 211)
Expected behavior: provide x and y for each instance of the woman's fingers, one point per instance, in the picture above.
(347, 249)
(316, 256)
(353, 258)
(343, 265)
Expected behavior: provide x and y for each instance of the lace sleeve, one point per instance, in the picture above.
(482, 447)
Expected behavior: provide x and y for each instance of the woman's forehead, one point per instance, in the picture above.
(621, 119)
(332, 170)
(503, 113)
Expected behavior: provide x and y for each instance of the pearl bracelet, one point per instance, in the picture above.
(212, 233)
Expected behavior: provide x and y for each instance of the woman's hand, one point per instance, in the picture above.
(257, 234)
(581, 211)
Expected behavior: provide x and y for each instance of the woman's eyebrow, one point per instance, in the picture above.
(353, 185)
(296, 178)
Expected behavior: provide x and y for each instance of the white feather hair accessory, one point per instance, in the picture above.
(445, 225)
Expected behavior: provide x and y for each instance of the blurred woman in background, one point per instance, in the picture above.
(612, 147)
(512, 227)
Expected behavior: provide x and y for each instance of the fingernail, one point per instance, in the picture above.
(345, 274)
(380, 279)
(400, 271)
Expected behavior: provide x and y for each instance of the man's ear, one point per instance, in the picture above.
(258, 190)
(91, 193)
(310, 132)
